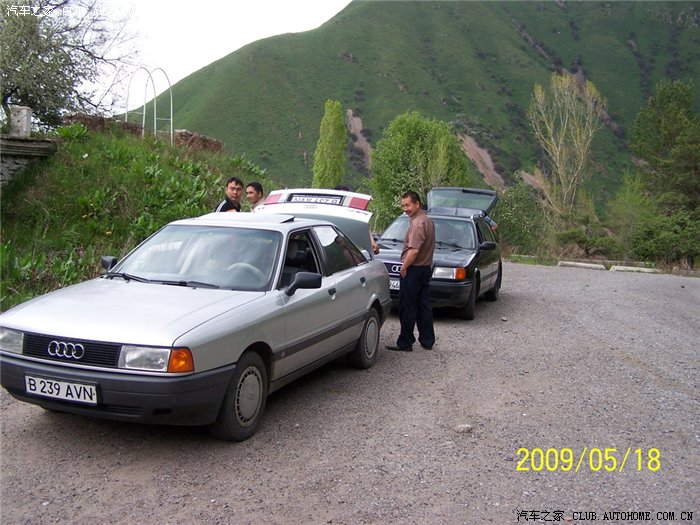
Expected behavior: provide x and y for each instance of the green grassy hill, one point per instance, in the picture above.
(470, 63)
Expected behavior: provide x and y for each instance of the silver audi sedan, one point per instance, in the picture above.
(199, 323)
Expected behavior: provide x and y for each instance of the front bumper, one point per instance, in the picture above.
(175, 400)
(444, 294)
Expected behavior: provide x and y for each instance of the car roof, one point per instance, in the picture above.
(279, 222)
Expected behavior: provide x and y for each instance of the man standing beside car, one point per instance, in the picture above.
(416, 269)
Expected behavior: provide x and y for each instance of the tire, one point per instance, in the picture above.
(492, 294)
(244, 401)
(467, 311)
(365, 352)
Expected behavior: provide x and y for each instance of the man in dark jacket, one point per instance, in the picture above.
(234, 192)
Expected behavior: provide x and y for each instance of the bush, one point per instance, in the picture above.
(521, 222)
(669, 238)
(100, 194)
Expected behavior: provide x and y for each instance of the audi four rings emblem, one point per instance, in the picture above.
(67, 350)
(396, 268)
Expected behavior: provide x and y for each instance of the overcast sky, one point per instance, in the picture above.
(182, 37)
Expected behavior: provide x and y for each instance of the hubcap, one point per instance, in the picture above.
(248, 395)
(371, 337)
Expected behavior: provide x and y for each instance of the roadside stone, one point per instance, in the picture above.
(634, 269)
(589, 266)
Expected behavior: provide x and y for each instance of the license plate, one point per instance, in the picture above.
(394, 284)
(76, 392)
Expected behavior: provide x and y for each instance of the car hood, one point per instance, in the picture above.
(443, 256)
(124, 312)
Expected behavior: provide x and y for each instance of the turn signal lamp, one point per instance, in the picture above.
(181, 360)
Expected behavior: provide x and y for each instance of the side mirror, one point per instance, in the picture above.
(108, 262)
(487, 245)
(305, 280)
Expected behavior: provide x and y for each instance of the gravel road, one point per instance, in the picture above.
(567, 358)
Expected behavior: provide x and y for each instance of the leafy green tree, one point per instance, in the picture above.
(520, 218)
(629, 212)
(329, 157)
(51, 50)
(666, 136)
(565, 120)
(415, 153)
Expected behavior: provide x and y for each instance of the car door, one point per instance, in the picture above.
(345, 264)
(311, 314)
(488, 259)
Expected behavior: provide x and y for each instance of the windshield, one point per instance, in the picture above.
(201, 256)
(448, 232)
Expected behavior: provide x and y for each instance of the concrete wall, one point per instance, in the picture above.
(17, 153)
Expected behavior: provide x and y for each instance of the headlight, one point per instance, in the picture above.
(154, 359)
(11, 340)
(456, 274)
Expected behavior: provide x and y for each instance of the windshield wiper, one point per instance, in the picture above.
(389, 240)
(191, 284)
(127, 277)
(447, 243)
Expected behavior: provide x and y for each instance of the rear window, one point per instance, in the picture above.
(458, 198)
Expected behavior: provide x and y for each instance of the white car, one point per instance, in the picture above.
(199, 323)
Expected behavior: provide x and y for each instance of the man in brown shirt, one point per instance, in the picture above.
(416, 270)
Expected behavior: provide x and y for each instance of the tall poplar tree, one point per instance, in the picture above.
(565, 120)
(329, 157)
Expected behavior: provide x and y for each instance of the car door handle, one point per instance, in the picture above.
(332, 291)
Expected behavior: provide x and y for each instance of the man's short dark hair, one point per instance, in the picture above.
(342, 187)
(256, 186)
(413, 196)
(234, 179)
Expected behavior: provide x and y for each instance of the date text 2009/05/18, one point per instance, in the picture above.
(593, 459)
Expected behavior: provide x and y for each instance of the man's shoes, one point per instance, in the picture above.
(397, 348)
(427, 347)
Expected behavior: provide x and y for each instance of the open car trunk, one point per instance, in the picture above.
(454, 201)
(345, 209)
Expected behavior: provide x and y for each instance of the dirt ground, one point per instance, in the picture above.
(569, 361)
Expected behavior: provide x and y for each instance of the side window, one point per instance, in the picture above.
(299, 257)
(340, 252)
(485, 233)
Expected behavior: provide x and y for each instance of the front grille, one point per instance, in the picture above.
(393, 268)
(96, 354)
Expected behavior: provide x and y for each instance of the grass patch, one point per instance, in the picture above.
(100, 194)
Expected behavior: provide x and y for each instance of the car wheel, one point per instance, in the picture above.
(467, 311)
(244, 401)
(492, 294)
(365, 352)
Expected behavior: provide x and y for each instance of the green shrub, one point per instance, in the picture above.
(100, 194)
(669, 238)
(521, 222)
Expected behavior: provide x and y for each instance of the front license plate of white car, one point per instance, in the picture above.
(76, 392)
(394, 284)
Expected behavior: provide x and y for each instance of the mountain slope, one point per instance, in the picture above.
(470, 63)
